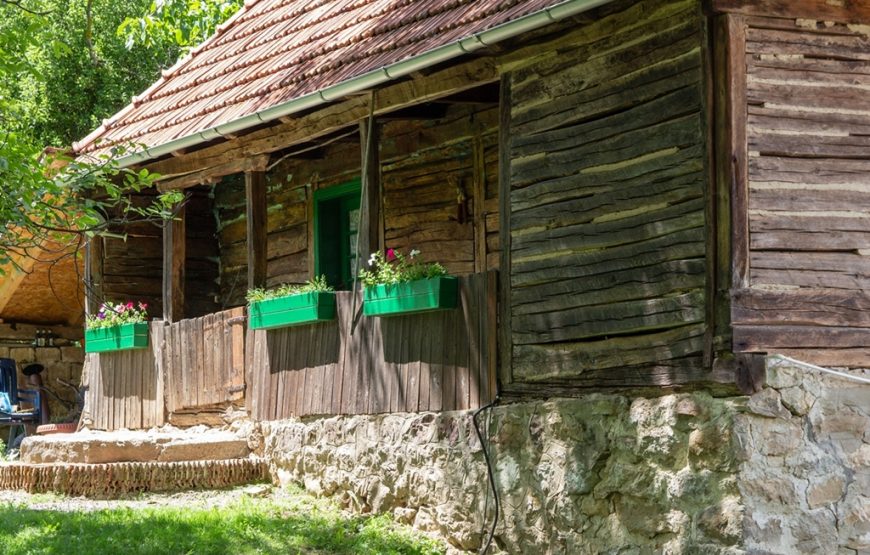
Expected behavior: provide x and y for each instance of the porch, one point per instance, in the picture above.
(196, 369)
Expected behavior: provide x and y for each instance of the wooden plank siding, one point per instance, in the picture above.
(441, 360)
(607, 204)
(125, 388)
(809, 193)
(203, 361)
(132, 262)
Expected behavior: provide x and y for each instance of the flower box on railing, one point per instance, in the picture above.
(293, 310)
(116, 338)
(411, 297)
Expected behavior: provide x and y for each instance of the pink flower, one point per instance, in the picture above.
(129, 305)
(391, 255)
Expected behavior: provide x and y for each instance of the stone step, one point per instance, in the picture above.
(116, 479)
(134, 446)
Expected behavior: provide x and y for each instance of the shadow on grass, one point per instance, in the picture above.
(238, 529)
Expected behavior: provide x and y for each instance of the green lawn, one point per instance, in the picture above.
(286, 524)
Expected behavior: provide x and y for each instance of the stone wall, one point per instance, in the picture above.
(786, 471)
(574, 475)
(60, 362)
(804, 445)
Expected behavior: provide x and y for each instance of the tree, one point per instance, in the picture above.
(64, 66)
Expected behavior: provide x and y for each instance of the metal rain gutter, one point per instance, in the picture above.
(372, 79)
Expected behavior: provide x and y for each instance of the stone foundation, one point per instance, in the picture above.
(805, 471)
(574, 475)
(784, 471)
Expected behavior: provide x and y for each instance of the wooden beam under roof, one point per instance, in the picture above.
(844, 11)
(177, 172)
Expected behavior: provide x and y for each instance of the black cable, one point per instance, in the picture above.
(488, 472)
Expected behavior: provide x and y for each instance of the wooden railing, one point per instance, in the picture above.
(432, 361)
(354, 365)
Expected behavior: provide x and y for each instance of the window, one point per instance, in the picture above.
(336, 219)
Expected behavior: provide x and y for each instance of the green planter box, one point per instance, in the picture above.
(411, 297)
(117, 338)
(304, 308)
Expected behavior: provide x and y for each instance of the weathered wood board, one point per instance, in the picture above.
(808, 193)
(442, 360)
(607, 197)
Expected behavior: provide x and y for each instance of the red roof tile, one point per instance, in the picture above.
(274, 51)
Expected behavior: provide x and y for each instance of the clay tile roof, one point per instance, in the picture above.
(275, 51)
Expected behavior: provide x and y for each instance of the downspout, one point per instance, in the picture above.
(372, 79)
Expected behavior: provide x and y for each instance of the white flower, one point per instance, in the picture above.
(414, 252)
(373, 258)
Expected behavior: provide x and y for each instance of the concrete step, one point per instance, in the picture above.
(91, 447)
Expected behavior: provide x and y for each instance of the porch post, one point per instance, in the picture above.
(255, 203)
(370, 210)
(93, 274)
(173, 267)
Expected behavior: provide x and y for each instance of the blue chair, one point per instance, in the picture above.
(15, 396)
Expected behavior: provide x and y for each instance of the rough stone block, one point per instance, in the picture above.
(72, 354)
(22, 355)
(825, 491)
(767, 403)
(47, 355)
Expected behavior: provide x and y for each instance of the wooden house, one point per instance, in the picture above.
(636, 195)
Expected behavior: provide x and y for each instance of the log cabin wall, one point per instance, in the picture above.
(432, 175)
(432, 170)
(291, 184)
(201, 254)
(131, 268)
(805, 291)
(605, 149)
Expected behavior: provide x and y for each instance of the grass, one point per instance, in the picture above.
(287, 524)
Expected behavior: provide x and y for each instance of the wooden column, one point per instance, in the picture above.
(370, 210)
(505, 335)
(731, 168)
(255, 202)
(173, 267)
(93, 274)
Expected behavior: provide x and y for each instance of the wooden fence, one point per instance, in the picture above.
(354, 365)
(357, 365)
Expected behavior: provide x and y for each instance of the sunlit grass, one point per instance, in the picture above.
(287, 524)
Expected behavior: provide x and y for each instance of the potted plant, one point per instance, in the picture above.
(291, 305)
(117, 326)
(399, 284)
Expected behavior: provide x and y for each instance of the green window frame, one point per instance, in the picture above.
(336, 221)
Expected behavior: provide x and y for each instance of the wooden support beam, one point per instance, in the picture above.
(255, 202)
(479, 199)
(211, 175)
(428, 111)
(732, 168)
(174, 253)
(329, 119)
(844, 11)
(93, 274)
(369, 232)
(505, 334)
